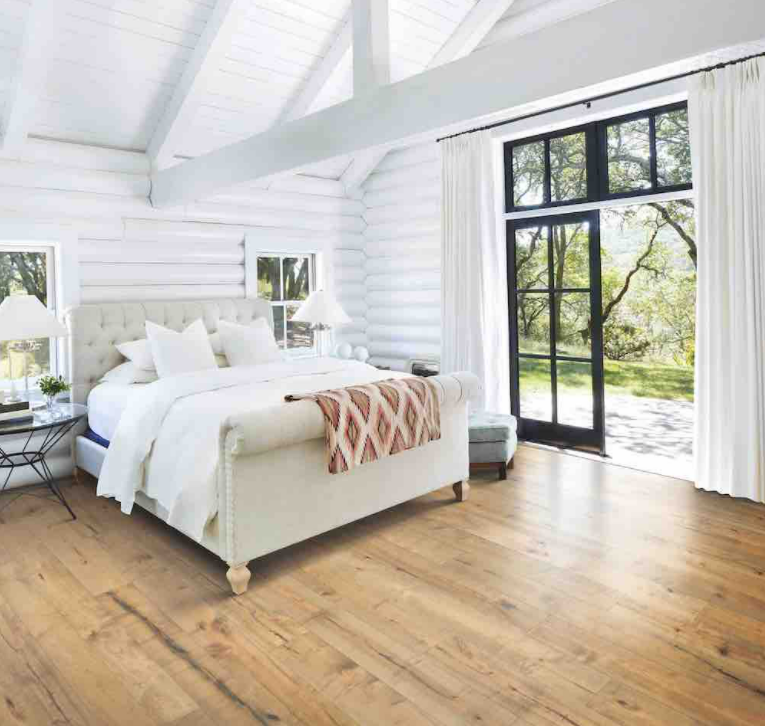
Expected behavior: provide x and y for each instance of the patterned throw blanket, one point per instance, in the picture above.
(374, 420)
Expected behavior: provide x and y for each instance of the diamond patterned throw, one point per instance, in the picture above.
(371, 421)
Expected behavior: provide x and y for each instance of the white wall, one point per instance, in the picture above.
(127, 250)
(403, 256)
(130, 251)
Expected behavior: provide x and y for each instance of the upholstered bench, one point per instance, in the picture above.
(493, 441)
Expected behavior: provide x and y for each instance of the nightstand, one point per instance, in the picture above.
(52, 430)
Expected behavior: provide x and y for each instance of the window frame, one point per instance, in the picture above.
(596, 146)
(52, 300)
(281, 255)
(591, 155)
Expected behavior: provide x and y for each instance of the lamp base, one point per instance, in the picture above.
(321, 334)
(13, 395)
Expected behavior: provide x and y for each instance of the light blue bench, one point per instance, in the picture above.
(493, 440)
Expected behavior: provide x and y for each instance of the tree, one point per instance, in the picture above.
(31, 269)
(647, 297)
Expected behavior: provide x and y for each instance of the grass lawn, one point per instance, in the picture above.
(646, 380)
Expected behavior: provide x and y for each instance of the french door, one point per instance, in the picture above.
(556, 335)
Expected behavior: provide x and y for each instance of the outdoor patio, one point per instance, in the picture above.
(650, 434)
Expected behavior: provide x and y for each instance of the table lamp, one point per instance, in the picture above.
(322, 310)
(24, 317)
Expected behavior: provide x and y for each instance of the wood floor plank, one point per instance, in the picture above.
(572, 594)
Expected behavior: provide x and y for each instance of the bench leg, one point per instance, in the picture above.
(461, 490)
(503, 471)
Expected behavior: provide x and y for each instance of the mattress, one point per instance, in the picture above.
(106, 403)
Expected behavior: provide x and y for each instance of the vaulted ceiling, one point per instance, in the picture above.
(108, 70)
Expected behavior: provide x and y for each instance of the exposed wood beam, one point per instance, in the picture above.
(481, 87)
(29, 75)
(205, 60)
(371, 46)
(469, 33)
(328, 65)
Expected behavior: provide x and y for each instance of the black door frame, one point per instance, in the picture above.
(554, 433)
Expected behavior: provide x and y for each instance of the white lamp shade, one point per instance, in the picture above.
(24, 317)
(321, 308)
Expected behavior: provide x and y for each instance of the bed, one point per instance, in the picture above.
(267, 459)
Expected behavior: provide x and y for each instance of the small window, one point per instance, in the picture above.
(288, 280)
(673, 148)
(529, 174)
(629, 156)
(644, 153)
(568, 167)
(27, 271)
(531, 254)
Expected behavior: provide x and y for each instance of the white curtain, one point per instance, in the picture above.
(474, 271)
(727, 121)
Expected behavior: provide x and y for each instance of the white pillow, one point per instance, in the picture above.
(138, 352)
(176, 353)
(216, 344)
(248, 345)
(127, 373)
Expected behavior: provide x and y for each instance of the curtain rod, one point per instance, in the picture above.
(589, 101)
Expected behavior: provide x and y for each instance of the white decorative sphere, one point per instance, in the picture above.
(360, 353)
(344, 350)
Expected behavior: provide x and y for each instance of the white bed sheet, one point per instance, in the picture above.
(106, 403)
(167, 443)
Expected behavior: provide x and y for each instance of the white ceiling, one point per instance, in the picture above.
(114, 64)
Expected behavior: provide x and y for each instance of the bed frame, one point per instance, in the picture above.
(273, 488)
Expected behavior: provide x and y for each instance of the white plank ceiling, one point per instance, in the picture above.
(115, 64)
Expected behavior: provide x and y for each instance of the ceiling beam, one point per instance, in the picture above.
(205, 60)
(530, 21)
(321, 76)
(29, 75)
(469, 33)
(371, 46)
(479, 88)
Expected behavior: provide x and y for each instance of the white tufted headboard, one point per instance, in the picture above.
(96, 329)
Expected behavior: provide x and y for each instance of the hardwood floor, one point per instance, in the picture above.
(572, 593)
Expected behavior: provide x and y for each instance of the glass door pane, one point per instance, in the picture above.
(556, 340)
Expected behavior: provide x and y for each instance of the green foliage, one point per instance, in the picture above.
(624, 342)
(648, 251)
(53, 385)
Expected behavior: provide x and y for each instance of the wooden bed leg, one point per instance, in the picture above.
(238, 577)
(461, 490)
(502, 472)
(511, 463)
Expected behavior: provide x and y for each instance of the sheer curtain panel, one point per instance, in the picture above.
(474, 270)
(727, 121)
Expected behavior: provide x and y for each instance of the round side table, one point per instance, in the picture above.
(43, 433)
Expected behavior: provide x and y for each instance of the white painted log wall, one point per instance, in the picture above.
(130, 251)
(403, 256)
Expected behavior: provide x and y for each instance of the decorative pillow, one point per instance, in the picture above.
(139, 353)
(127, 373)
(216, 344)
(249, 345)
(176, 353)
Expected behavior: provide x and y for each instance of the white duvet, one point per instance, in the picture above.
(166, 443)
